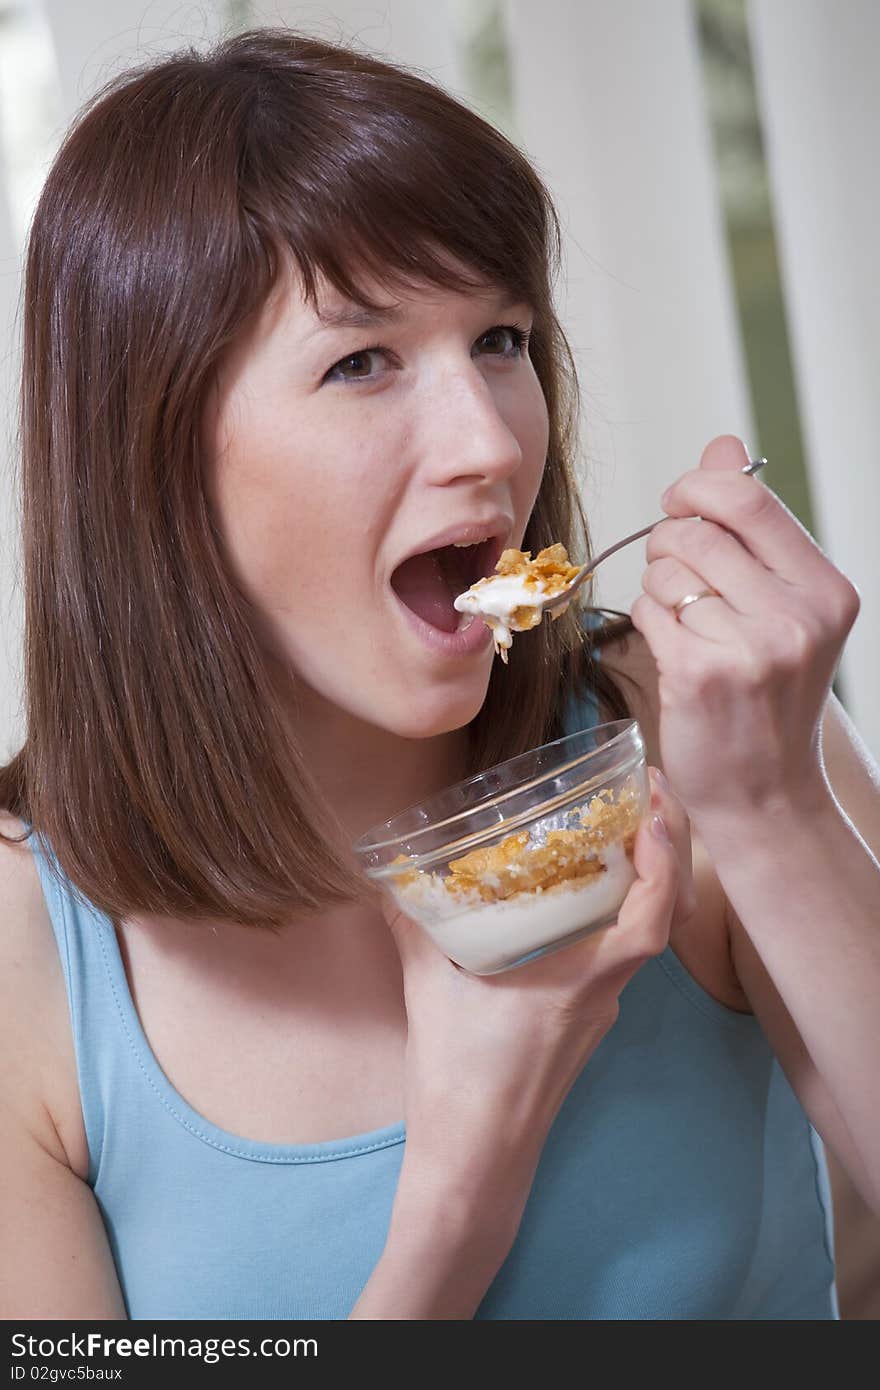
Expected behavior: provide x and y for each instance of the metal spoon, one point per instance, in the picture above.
(594, 561)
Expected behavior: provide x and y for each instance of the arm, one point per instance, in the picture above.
(489, 1062)
(56, 1262)
(446, 1243)
(804, 914)
(743, 688)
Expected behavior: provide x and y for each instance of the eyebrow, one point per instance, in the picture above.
(352, 315)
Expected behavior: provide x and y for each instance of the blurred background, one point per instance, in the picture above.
(712, 164)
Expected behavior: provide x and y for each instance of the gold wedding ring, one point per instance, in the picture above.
(693, 598)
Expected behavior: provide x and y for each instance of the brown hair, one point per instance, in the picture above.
(157, 761)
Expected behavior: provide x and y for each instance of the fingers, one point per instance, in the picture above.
(667, 581)
(663, 893)
(743, 505)
(671, 642)
(716, 557)
(645, 918)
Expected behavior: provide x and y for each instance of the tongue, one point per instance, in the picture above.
(420, 584)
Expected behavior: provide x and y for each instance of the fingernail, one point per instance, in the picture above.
(666, 498)
(658, 828)
(659, 779)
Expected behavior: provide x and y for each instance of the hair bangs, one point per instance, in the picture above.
(406, 197)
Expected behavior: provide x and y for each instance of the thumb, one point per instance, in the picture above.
(651, 900)
(654, 856)
(724, 452)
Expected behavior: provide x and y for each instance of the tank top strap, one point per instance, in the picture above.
(81, 936)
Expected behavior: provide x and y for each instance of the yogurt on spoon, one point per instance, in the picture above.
(513, 598)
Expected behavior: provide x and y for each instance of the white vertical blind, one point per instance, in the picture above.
(609, 104)
(11, 724)
(415, 32)
(96, 39)
(816, 65)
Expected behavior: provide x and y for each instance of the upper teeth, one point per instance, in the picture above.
(464, 545)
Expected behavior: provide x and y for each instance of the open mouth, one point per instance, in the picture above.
(429, 582)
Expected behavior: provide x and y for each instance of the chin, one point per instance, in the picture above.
(432, 714)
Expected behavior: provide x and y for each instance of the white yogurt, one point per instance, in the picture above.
(496, 599)
(486, 937)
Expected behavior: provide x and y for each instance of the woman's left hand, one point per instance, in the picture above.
(744, 673)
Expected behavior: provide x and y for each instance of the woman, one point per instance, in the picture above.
(287, 320)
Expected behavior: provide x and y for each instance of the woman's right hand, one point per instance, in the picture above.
(490, 1059)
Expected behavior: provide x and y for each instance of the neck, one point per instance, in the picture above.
(366, 774)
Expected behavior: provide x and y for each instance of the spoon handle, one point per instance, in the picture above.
(594, 561)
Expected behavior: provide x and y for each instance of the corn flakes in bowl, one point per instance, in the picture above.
(523, 858)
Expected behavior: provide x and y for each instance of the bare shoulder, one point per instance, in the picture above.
(38, 1081)
(703, 943)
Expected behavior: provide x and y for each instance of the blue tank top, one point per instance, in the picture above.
(680, 1180)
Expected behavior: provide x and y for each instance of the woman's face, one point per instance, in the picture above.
(337, 450)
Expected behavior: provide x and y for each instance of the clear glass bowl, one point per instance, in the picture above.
(524, 858)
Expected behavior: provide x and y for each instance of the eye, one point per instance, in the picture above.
(355, 367)
(517, 336)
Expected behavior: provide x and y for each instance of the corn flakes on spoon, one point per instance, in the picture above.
(516, 596)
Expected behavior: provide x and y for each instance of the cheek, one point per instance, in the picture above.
(265, 531)
(269, 484)
(529, 421)
(298, 527)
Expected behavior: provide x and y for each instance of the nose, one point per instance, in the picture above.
(467, 431)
